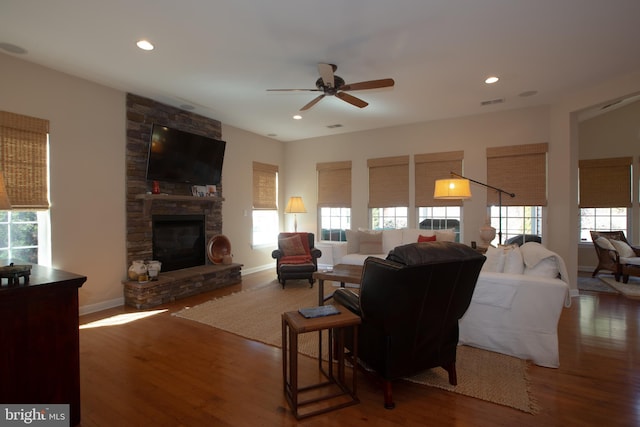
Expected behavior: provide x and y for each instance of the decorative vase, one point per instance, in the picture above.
(153, 267)
(487, 234)
(137, 269)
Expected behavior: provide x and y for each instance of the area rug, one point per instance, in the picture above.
(256, 314)
(629, 290)
(594, 284)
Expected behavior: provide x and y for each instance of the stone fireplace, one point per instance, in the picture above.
(174, 200)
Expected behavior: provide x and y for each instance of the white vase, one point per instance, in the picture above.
(137, 269)
(487, 234)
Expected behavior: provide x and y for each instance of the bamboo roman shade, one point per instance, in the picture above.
(23, 160)
(431, 167)
(605, 183)
(334, 184)
(519, 169)
(265, 186)
(388, 182)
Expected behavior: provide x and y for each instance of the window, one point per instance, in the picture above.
(516, 220)
(334, 199)
(265, 205)
(24, 162)
(601, 219)
(333, 223)
(440, 218)
(605, 195)
(519, 169)
(388, 192)
(437, 214)
(386, 218)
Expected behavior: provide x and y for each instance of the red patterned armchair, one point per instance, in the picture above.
(296, 257)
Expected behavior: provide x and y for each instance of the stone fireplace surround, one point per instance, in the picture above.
(175, 199)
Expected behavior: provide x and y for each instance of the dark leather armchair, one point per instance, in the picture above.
(296, 257)
(410, 304)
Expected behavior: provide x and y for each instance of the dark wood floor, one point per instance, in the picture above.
(161, 370)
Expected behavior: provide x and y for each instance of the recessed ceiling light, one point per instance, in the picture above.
(491, 80)
(144, 45)
(297, 117)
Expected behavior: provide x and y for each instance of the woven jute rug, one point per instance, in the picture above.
(256, 314)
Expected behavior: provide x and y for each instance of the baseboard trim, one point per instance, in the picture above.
(92, 308)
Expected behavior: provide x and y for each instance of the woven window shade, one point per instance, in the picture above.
(431, 167)
(265, 183)
(23, 159)
(388, 182)
(605, 183)
(334, 184)
(519, 169)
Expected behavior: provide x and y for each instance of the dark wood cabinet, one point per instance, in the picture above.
(40, 354)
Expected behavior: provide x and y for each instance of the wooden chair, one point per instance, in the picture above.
(609, 258)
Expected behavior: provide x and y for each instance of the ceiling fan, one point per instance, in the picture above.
(330, 84)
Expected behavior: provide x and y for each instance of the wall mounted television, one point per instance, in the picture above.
(184, 157)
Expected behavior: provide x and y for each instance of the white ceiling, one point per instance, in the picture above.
(220, 56)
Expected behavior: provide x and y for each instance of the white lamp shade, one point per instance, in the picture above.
(295, 205)
(452, 189)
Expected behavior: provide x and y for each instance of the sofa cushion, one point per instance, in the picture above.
(448, 235)
(391, 239)
(548, 267)
(495, 260)
(513, 262)
(370, 242)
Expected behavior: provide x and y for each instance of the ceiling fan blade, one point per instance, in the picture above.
(312, 103)
(293, 90)
(326, 73)
(371, 84)
(352, 99)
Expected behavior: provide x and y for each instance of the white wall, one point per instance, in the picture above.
(87, 160)
(243, 148)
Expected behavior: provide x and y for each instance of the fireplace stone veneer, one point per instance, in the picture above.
(178, 284)
(175, 199)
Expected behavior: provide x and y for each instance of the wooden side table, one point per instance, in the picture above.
(339, 394)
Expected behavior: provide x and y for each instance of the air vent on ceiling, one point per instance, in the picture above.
(493, 101)
(334, 126)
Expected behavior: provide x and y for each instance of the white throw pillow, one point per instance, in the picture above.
(548, 267)
(604, 243)
(448, 235)
(353, 243)
(495, 260)
(623, 249)
(513, 262)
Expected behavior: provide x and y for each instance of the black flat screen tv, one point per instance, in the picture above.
(184, 157)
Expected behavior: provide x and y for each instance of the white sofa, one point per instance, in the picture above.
(517, 301)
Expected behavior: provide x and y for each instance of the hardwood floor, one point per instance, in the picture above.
(161, 370)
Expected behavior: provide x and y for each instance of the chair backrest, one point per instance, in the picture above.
(609, 235)
(414, 300)
(310, 238)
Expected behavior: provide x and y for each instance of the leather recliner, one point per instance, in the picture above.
(410, 304)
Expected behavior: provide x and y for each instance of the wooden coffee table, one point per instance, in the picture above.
(343, 273)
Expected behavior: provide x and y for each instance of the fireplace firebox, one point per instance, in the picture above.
(178, 241)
